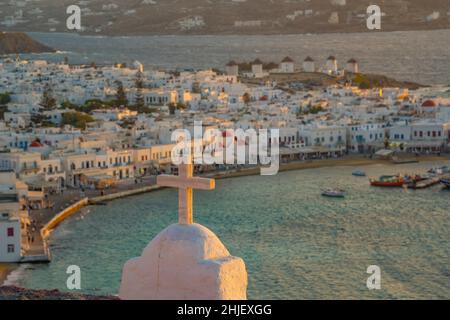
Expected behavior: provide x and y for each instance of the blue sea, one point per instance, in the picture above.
(420, 56)
(296, 244)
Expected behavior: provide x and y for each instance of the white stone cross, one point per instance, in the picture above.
(185, 182)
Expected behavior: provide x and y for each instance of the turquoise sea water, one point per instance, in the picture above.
(296, 244)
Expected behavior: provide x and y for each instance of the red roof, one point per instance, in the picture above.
(227, 133)
(36, 144)
(429, 103)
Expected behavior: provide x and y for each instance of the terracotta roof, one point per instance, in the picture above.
(429, 103)
(287, 59)
(232, 63)
(257, 61)
(309, 59)
(351, 61)
(36, 144)
(331, 58)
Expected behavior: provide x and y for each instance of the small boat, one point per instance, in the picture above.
(333, 193)
(420, 181)
(388, 181)
(441, 170)
(359, 173)
(446, 183)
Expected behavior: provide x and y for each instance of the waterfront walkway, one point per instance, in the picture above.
(38, 247)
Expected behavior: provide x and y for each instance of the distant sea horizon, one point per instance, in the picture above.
(396, 54)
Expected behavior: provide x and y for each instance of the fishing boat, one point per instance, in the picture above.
(421, 181)
(359, 173)
(334, 193)
(388, 181)
(446, 183)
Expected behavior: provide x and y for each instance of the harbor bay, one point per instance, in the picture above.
(356, 123)
(297, 245)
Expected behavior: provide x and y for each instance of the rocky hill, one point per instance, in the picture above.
(127, 17)
(17, 42)
(15, 293)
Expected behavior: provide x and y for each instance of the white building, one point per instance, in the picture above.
(366, 137)
(257, 69)
(10, 242)
(331, 66)
(113, 114)
(232, 68)
(400, 132)
(333, 137)
(160, 97)
(24, 164)
(287, 65)
(352, 66)
(428, 107)
(13, 219)
(309, 65)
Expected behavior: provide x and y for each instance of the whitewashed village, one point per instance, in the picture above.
(86, 128)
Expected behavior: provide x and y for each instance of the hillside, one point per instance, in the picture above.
(17, 42)
(317, 79)
(131, 17)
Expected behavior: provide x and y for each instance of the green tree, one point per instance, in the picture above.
(362, 81)
(139, 84)
(121, 97)
(5, 98)
(316, 109)
(48, 102)
(76, 119)
(69, 105)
